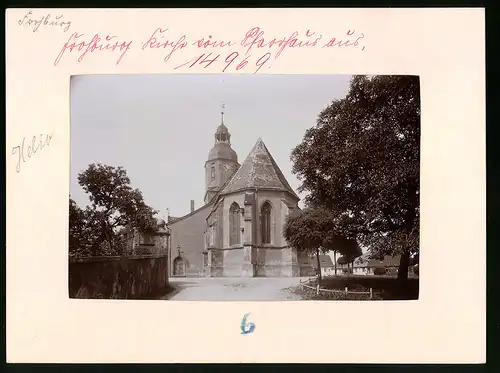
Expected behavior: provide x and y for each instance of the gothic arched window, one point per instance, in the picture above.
(266, 223)
(234, 224)
(212, 172)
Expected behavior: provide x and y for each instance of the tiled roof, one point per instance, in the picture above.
(324, 261)
(388, 261)
(259, 170)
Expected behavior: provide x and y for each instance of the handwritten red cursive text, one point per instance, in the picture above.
(202, 43)
(255, 38)
(233, 59)
(157, 40)
(109, 43)
(334, 42)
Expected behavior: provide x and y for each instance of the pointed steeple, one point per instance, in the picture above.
(258, 170)
(223, 106)
(222, 134)
(222, 161)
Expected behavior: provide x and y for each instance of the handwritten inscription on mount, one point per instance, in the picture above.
(25, 150)
(245, 326)
(46, 20)
(255, 48)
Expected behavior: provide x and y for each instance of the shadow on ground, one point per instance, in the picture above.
(176, 286)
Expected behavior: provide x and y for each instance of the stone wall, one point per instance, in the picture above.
(118, 277)
(233, 262)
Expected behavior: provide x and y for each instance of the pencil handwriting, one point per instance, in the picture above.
(47, 20)
(23, 152)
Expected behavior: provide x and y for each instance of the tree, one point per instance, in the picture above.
(84, 235)
(114, 206)
(313, 230)
(362, 161)
(347, 259)
(77, 230)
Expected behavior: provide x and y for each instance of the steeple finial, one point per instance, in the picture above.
(222, 106)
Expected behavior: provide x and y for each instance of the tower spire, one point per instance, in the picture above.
(222, 107)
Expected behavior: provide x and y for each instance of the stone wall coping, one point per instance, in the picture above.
(252, 246)
(94, 259)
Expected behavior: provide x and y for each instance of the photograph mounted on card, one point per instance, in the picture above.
(327, 221)
(220, 182)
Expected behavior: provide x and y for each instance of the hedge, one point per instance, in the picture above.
(389, 286)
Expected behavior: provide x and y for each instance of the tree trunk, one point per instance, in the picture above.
(319, 265)
(335, 260)
(403, 265)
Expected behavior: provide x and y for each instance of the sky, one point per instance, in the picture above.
(160, 128)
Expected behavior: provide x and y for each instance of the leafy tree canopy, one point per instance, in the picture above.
(361, 162)
(315, 228)
(115, 206)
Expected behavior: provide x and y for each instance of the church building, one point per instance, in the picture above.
(238, 230)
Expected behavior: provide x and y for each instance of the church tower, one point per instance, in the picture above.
(222, 161)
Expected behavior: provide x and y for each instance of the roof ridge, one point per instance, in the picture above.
(278, 171)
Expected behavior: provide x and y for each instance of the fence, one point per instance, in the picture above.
(346, 291)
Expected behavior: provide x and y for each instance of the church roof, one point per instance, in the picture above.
(259, 170)
(324, 261)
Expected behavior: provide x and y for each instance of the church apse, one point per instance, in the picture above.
(238, 231)
(256, 201)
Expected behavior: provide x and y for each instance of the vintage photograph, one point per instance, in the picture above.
(244, 187)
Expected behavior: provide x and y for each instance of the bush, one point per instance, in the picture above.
(391, 271)
(379, 271)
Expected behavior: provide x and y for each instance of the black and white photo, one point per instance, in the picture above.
(244, 187)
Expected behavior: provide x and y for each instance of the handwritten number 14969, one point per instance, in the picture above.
(207, 59)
